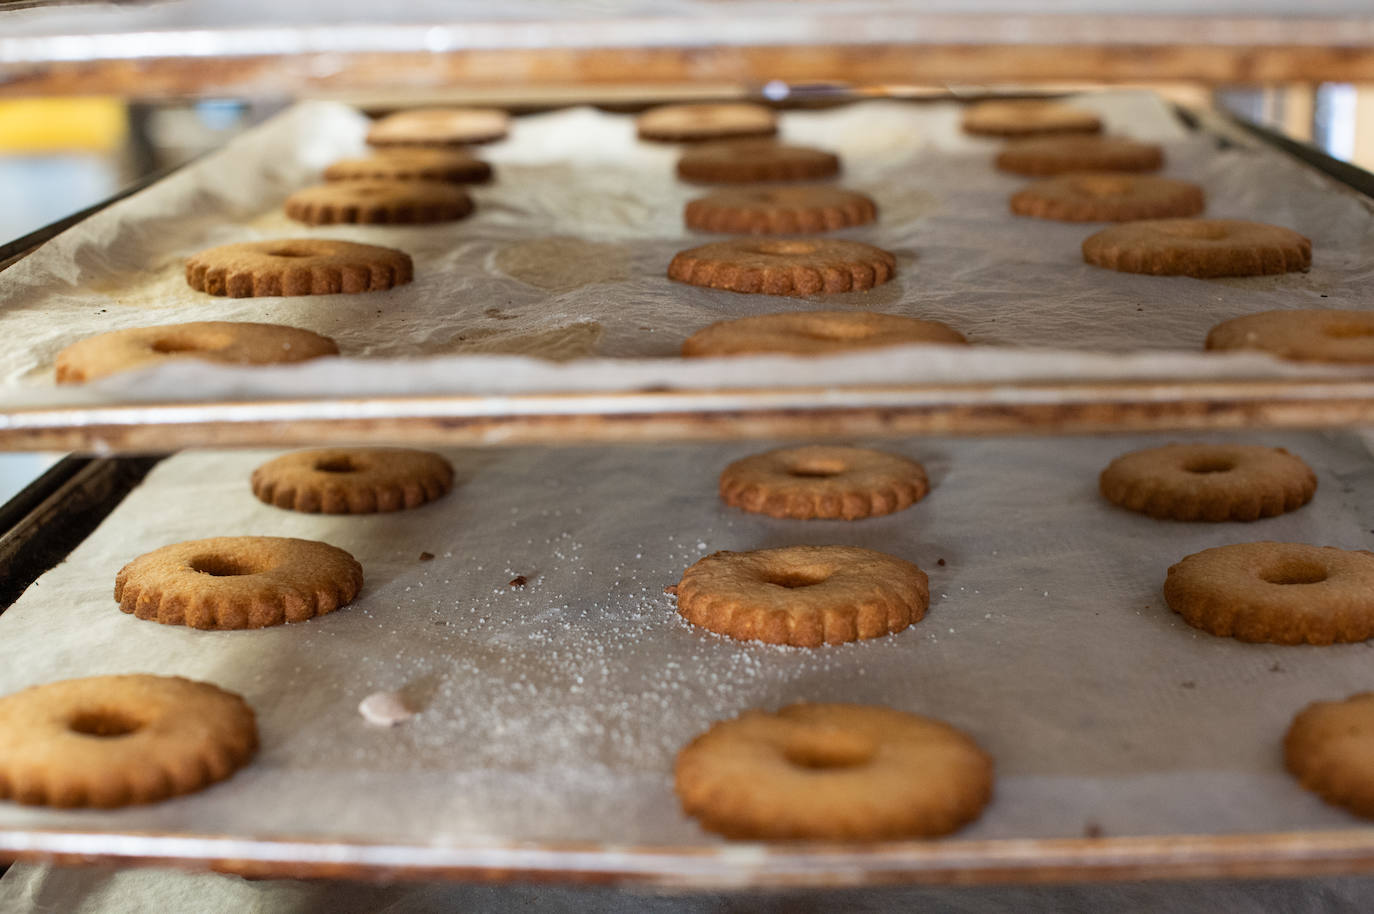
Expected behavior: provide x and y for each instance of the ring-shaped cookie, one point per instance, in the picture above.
(833, 772)
(439, 127)
(1057, 155)
(1108, 197)
(1303, 335)
(1209, 482)
(1027, 117)
(1203, 248)
(1329, 748)
(804, 596)
(779, 210)
(696, 122)
(228, 342)
(815, 333)
(823, 481)
(456, 166)
(749, 161)
(1281, 593)
(784, 266)
(352, 480)
(379, 203)
(109, 741)
(236, 582)
(297, 266)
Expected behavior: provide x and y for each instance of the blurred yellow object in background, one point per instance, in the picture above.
(62, 125)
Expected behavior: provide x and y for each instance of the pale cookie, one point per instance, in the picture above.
(1305, 335)
(352, 480)
(109, 741)
(1028, 117)
(1108, 198)
(1057, 155)
(312, 266)
(1202, 248)
(779, 210)
(1282, 593)
(837, 772)
(234, 582)
(229, 342)
(1209, 482)
(1329, 748)
(784, 267)
(456, 166)
(379, 203)
(439, 127)
(815, 333)
(825, 481)
(751, 161)
(804, 596)
(693, 123)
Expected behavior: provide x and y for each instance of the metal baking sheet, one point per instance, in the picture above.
(557, 286)
(551, 712)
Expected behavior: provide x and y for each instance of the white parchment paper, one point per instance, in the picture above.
(565, 259)
(553, 711)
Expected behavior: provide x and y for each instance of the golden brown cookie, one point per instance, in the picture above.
(439, 127)
(820, 480)
(353, 480)
(1057, 155)
(694, 123)
(751, 161)
(456, 166)
(833, 772)
(233, 582)
(805, 596)
(1329, 748)
(299, 266)
(1028, 117)
(779, 210)
(229, 342)
(1203, 248)
(815, 333)
(1108, 198)
(784, 267)
(109, 741)
(1210, 482)
(1282, 593)
(379, 202)
(1304, 335)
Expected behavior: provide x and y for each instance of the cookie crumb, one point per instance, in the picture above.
(1276, 668)
(519, 581)
(1092, 830)
(384, 709)
(1188, 684)
(940, 562)
(426, 556)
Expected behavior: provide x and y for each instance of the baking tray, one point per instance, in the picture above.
(945, 216)
(1129, 745)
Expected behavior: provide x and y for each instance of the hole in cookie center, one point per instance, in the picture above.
(341, 464)
(103, 723)
(1210, 465)
(1203, 231)
(785, 248)
(288, 252)
(1347, 331)
(828, 748)
(794, 578)
(817, 468)
(169, 345)
(219, 566)
(1295, 571)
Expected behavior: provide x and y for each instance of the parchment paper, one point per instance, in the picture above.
(554, 710)
(566, 256)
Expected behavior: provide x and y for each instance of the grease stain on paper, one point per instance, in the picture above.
(562, 264)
